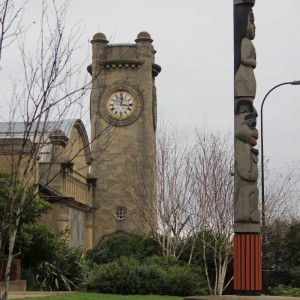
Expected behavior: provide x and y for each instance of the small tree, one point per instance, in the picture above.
(281, 209)
(214, 182)
(194, 196)
(52, 87)
(171, 189)
(48, 262)
(282, 260)
(35, 208)
(11, 13)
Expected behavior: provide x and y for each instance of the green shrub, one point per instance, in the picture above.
(129, 276)
(38, 244)
(184, 281)
(152, 279)
(284, 290)
(115, 277)
(164, 262)
(295, 277)
(64, 273)
(48, 262)
(121, 244)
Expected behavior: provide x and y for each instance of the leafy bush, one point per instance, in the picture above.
(129, 276)
(48, 262)
(272, 278)
(38, 244)
(32, 209)
(64, 273)
(152, 279)
(121, 244)
(163, 262)
(113, 277)
(183, 281)
(295, 277)
(284, 290)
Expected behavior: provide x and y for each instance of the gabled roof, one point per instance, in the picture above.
(36, 130)
(17, 129)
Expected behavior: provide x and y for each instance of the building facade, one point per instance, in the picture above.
(60, 172)
(91, 184)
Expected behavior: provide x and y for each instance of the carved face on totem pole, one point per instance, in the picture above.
(246, 122)
(246, 192)
(251, 27)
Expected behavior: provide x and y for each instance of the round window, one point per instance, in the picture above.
(121, 213)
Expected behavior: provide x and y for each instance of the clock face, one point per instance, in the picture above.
(121, 104)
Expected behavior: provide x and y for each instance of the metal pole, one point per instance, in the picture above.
(262, 149)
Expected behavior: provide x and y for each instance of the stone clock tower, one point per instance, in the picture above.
(123, 123)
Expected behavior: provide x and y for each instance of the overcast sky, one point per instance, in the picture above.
(194, 43)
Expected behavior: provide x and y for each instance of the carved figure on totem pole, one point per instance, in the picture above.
(246, 159)
(245, 84)
(246, 213)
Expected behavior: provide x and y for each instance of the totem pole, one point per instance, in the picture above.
(247, 238)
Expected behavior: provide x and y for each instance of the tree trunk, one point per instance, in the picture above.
(205, 265)
(12, 239)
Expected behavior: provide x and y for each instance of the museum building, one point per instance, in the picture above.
(79, 176)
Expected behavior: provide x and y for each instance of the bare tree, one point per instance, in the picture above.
(213, 163)
(11, 13)
(282, 194)
(175, 191)
(281, 207)
(193, 191)
(53, 85)
(214, 180)
(171, 190)
(194, 197)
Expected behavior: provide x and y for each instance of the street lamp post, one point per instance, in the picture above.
(262, 148)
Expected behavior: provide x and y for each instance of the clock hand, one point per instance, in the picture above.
(121, 99)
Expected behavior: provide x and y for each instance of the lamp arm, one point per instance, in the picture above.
(262, 147)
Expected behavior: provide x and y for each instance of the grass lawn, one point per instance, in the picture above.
(96, 296)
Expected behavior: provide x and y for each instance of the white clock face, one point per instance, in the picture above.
(121, 104)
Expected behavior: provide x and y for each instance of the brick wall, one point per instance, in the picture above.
(15, 273)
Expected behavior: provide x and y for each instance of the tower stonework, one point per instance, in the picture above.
(123, 122)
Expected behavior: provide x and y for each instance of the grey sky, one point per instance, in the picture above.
(194, 43)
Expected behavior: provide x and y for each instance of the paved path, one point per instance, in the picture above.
(229, 297)
(18, 295)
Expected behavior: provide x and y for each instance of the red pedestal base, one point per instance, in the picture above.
(247, 263)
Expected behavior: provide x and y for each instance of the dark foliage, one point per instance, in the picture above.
(130, 276)
(284, 290)
(121, 244)
(48, 262)
(281, 260)
(33, 209)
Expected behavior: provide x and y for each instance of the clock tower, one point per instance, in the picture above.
(123, 122)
